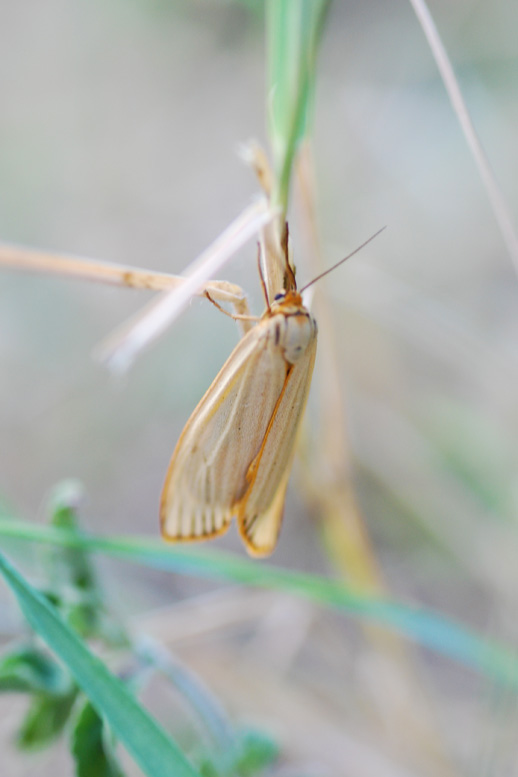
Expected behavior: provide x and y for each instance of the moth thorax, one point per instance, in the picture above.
(298, 330)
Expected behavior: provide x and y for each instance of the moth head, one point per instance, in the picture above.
(286, 302)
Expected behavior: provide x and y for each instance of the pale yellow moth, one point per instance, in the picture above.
(234, 456)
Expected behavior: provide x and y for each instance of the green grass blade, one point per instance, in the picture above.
(293, 29)
(425, 627)
(147, 742)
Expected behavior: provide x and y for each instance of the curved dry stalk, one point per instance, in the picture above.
(347, 541)
(494, 192)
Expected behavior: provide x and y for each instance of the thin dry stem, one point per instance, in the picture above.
(273, 235)
(254, 155)
(273, 258)
(125, 344)
(498, 202)
(17, 258)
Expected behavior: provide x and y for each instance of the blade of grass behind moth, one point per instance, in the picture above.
(494, 659)
(327, 481)
(119, 350)
(498, 202)
(293, 31)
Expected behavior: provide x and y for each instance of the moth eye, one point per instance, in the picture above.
(281, 295)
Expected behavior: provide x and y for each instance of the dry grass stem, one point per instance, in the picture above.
(498, 202)
(254, 155)
(274, 241)
(333, 466)
(16, 258)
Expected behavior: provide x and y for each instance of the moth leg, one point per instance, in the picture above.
(245, 320)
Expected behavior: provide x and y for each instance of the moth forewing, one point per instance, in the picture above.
(234, 455)
(205, 471)
(260, 510)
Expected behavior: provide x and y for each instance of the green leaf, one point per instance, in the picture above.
(63, 502)
(74, 585)
(251, 753)
(91, 746)
(72, 564)
(258, 751)
(208, 769)
(155, 752)
(45, 720)
(28, 669)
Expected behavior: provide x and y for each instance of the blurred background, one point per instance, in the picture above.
(120, 127)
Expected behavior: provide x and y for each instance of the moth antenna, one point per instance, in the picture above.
(326, 272)
(261, 276)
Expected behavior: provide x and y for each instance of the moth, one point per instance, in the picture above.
(234, 456)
